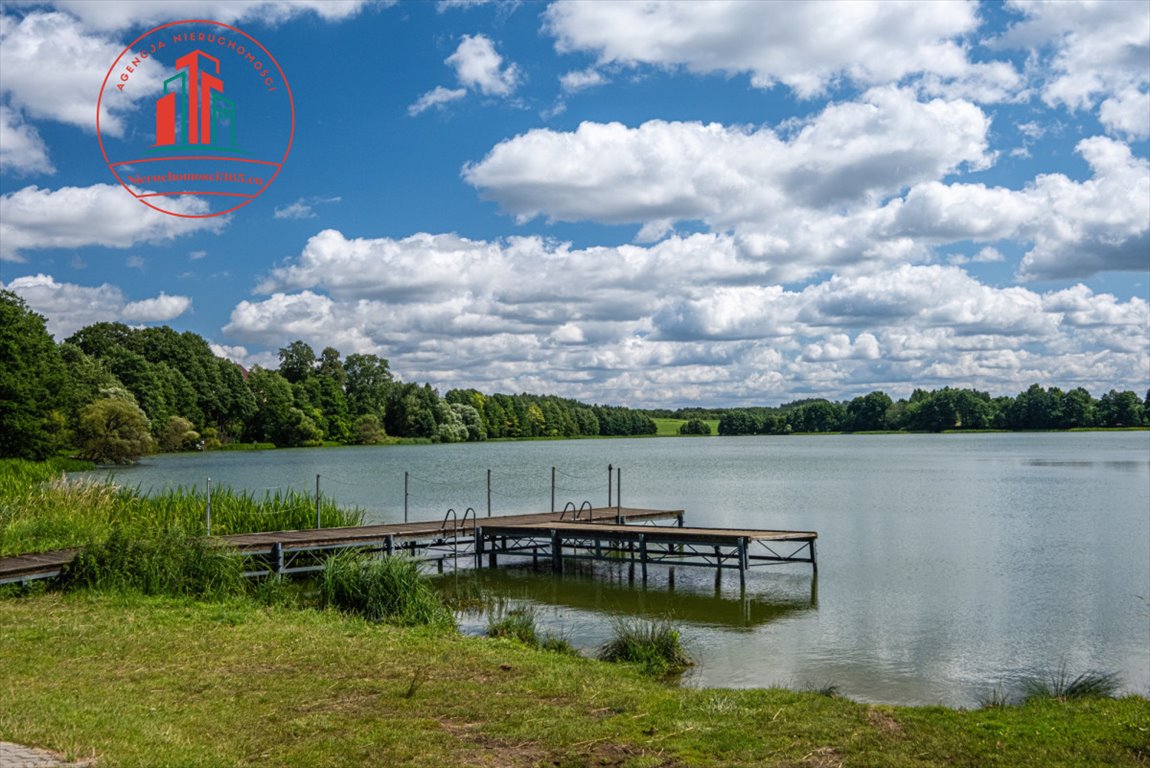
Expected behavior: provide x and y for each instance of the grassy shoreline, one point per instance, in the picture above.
(42, 509)
(157, 681)
(257, 677)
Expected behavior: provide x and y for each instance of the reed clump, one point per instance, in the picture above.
(43, 508)
(517, 623)
(520, 623)
(169, 564)
(655, 645)
(383, 589)
(1062, 685)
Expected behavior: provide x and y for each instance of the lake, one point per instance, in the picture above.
(948, 564)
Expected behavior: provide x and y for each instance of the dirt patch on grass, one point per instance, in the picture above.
(484, 750)
(884, 722)
(823, 757)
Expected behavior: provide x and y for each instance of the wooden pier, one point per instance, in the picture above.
(602, 533)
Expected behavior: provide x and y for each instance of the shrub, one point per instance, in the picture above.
(388, 589)
(654, 645)
(517, 623)
(169, 564)
(1060, 685)
(695, 427)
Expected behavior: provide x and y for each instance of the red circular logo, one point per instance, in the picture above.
(195, 118)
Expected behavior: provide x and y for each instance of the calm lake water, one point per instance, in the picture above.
(948, 564)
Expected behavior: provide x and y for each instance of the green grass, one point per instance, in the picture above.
(168, 564)
(139, 681)
(42, 508)
(382, 589)
(670, 427)
(519, 623)
(654, 645)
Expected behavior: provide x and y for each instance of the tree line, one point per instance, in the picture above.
(112, 392)
(115, 392)
(949, 408)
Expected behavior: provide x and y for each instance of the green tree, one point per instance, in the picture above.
(178, 435)
(739, 422)
(114, 430)
(368, 430)
(329, 366)
(297, 361)
(449, 424)
(367, 384)
(816, 416)
(1119, 409)
(695, 427)
(33, 383)
(272, 395)
(867, 413)
(472, 421)
(1078, 409)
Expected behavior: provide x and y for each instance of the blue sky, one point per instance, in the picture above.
(637, 203)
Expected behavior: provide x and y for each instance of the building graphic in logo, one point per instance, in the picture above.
(183, 153)
(201, 103)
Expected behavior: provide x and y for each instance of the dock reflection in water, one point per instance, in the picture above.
(597, 592)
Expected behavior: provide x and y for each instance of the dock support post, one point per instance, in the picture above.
(478, 533)
(643, 555)
(390, 545)
(814, 560)
(742, 563)
(556, 552)
(278, 557)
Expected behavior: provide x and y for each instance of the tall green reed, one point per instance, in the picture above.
(42, 508)
(384, 589)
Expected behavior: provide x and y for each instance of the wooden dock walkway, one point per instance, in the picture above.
(294, 545)
(601, 533)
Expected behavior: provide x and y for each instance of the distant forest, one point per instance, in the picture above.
(112, 392)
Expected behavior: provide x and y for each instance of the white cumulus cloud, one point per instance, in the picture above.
(478, 66)
(806, 46)
(22, 151)
(102, 214)
(528, 314)
(69, 307)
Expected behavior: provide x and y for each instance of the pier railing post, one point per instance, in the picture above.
(489, 493)
(619, 495)
(610, 479)
(553, 489)
(318, 519)
(208, 507)
(405, 497)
